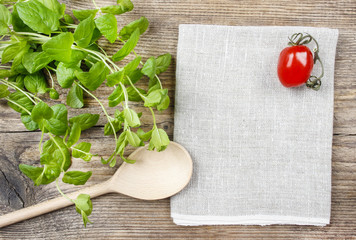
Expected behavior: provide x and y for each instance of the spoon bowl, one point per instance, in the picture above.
(155, 175)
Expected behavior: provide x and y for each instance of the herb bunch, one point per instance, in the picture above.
(37, 39)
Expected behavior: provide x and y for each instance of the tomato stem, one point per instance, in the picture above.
(296, 39)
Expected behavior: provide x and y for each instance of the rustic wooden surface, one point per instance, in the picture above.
(120, 217)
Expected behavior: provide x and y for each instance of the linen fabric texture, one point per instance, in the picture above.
(261, 152)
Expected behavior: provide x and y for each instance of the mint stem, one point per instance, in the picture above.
(125, 95)
(103, 108)
(60, 191)
(153, 116)
(15, 103)
(40, 143)
(27, 94)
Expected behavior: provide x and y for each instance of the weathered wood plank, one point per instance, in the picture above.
(121, 217)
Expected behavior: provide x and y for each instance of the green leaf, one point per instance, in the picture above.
(19, 81)
(35, 61)
(84, 14)
(84, 32)
(116, 97)
(74, 135)
(53, 94)
(30, 171)
(68, 19)
(144, 136)
(17, 65)
(81, 150)
(38, 17)
(122, 7)
(122, 142)
(115, 78)
(22, 100)
(121, 76)
(113, 162)
(117, 126)
(41, 111)
(133, 139)
(164, 104)
(119, 115)
(28, 122)
(76, 57)
(3, 28)
(58, 123)
(130, 161)
(86, 120)
(154, 98)
(96, 35)
(4, 92)
(159, 139)
(133, 95)
(128, 46)
(131, 66)
(75, 97)
(163, 62)
(131, 118)
(76, 177)
(129, 29)
(36, 174)
(5, 15)
(10, 52)
(107, 25)
(149, 69)
(55, 153)
(54, 6)
(135, 76)
(153, 85)
(60, 47)
(66, 75)
(60, 112)
(36, 83)
(95, 77)
(83, 206)
(17, 23)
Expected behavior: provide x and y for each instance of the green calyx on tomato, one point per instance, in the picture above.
(296, 63)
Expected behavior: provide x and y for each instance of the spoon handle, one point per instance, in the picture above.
(51, 205)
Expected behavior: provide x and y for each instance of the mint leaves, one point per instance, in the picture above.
(84, 32)
(95, 77)
(159, 140)
(41, 44)
(122, 7)
(84, 207)
(37, 16)
(128, 46)
(75, 97)
(60, 47)
(140, 24)
(76, 177)
(107, 25)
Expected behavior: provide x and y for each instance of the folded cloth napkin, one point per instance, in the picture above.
(261, 152)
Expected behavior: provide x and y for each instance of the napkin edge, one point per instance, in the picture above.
(261, 220)
(336, 30)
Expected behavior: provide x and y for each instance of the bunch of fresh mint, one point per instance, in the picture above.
(38, 39)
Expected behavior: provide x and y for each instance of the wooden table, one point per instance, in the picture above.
(121, 217)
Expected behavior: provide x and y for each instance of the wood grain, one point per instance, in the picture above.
(121, 217)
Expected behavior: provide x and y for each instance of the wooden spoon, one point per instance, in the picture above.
(155, 175)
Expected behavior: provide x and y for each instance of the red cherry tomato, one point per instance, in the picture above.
(295, 65)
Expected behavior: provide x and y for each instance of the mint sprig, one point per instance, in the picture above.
(39, 41)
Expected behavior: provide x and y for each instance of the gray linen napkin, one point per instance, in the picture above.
(261, 152)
